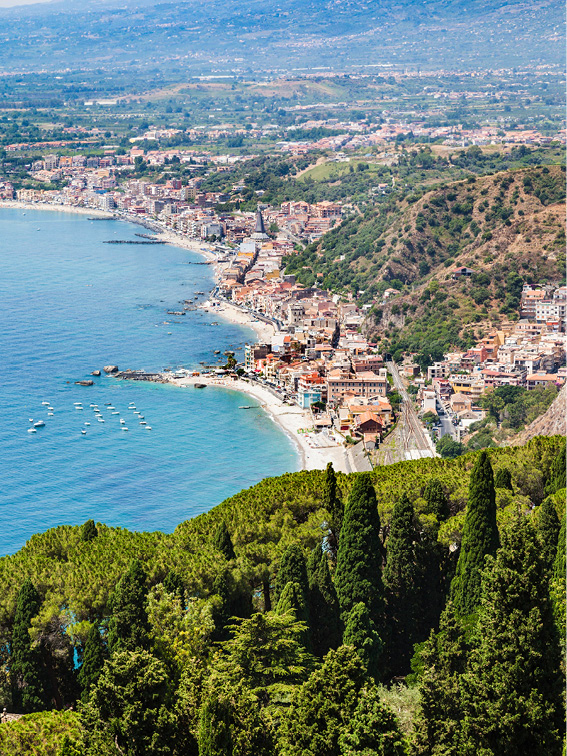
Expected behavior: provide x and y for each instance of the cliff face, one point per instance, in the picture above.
(553, 422)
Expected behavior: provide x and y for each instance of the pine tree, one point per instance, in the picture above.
(548, 530)
(292, 569)
(128, 627)
(361, 633)
(93, 661)
(503, 478)
(444, 657)
(359, 564)
(324, 613)
(513, 691)
(436, 499)
(480, 537)
(557, 473)
(26, 670)
(401, 582)
(334, 506)
(373, 730)
(174, 584)
(324, 706)
(89, 531)
(223, 542)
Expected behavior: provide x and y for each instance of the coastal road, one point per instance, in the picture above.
(409, 439)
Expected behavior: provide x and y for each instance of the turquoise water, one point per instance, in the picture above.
(71, 304)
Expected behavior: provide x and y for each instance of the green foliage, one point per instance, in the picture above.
(323, 707)
(294, 600)
(89, 531)
(373, 730)
(128, 627)
(448, 448)
(223, 542)
(359, 564)
(480, 537)
(548, 531)
(557, 473)
(40, 734)
(513, 692)
(292, 569)
(443, 659)
(557, 586)
(503, 479)
(436, 499)
(324, 613)
(27, 673)
(334, 506)
(361, 634)
(93, 661)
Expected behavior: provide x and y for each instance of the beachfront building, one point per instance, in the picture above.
(366, 384)
(311, 388)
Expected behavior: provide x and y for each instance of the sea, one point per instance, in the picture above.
(70, 304)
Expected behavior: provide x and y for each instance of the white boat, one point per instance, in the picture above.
(50, 414)
(32, 430)
(78, 404)
(115, 412)
(30, 419)
(143, 422)
(45, 404)
(122, 421)
(148, 427)
(100, 419)
(124, 428)
(84, 432)
(87, 423)
(39, 424)
(50, 408)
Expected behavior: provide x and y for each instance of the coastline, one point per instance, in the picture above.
(316, 450)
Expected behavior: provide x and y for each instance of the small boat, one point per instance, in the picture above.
(32, 430)
(143, 422)
(110, 407)
(87, 423)
(246, 406)
(140, 417)
(50, 414)
(78, 404)
(78, 408)
(124, 428)
(30, 419)
(50, 409)
(122, 421)
(45, 404)
(100, 419)
(39, 424)
(84, 432)
(148, 427)
(115, 412)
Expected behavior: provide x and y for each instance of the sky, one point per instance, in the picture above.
(11, 3)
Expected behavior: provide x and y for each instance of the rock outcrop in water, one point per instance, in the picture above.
(109, 369)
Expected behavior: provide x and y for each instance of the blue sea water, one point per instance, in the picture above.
(70, 304)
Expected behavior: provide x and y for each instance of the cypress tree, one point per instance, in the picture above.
(359, 564)
(93, 661)
(324, 613)
(557, 587)
(214, 737)
(503, 478)
(223, 542)
(361, 633)
(373, 730)
(436, 499)
(89, 531)
(557, 473)
(292, 569)
(548, 530)
(174, 584)
(443, 657)
(334, 506)
(513, 690)
(292, 599)
(129, 628)
(401, 576)
(26, 669)
(480, 537)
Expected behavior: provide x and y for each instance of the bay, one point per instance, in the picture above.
(70, 304)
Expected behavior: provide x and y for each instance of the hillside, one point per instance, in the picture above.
(507, 227)
(552, 422)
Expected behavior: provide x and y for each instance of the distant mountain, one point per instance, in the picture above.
(224, 36)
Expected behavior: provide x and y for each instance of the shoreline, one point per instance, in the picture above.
(316, 450)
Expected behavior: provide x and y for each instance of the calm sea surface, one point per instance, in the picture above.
(70, 304)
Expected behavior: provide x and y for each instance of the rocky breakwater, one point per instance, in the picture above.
(141, 375)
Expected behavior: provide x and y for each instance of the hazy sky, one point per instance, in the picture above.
(10, 3)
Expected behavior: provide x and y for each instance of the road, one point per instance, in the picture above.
(409, 439)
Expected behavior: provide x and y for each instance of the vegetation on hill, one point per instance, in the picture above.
(221, 638)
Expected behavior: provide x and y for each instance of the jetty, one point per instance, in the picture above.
(147, 236)
(133, 241)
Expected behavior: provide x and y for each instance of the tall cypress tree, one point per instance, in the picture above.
(358, 576)
(557, 473)
(480, 537)
(436, 499)
(223, 542)
(26, 670)
(324, 613)
(361, 633)
(292, 569)
(334, 506)
(503, 478)
(89, 531)
(557, 586)
(548, 531)
(401, 584)
(444, 657)
(129, 628)
(93, 661)
(513, 691)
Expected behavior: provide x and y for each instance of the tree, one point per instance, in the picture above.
(437, 730)
(513, 691)
(448, 448)
(358, 576)
(223, 542)
(292, 600)
(334, 506)
(503, 478)
(93, 661)
(174, 584)
(557, 586)
(401, 582)
(324, 705)
(291, 569)
(361, 634)
(373, 730)
(436, 499)
(128, 627)
(480, 537)
(324, 613)
(89, 531)
(548, 530)
(557, 473)
(26, 670)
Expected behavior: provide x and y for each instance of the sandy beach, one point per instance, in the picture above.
(316, 449)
